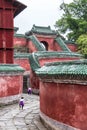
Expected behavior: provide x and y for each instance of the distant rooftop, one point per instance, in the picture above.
(35, 56)
(18, 35)
(42, 30)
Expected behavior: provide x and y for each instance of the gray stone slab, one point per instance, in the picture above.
(13, 118)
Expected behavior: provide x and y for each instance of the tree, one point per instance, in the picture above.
(82, 44)
(73, 20)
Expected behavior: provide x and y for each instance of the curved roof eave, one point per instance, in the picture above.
(18, 7)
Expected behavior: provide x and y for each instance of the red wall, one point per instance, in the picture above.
(52, 45)
(49, 40)
(19, 41)
(42, 61)
(31, 47)
(10, 85)
(65, 103)
(72, 47)
(23, 63)
(34, 81)
(57, 47)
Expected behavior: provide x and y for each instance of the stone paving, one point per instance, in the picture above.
(13, 118)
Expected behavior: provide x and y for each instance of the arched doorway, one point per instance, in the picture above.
(45, 44)
(26, 83)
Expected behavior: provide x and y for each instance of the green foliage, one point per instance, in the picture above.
(74, 19)
(82, 44)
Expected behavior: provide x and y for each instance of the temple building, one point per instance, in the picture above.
(49, 64)
(33, 44)
(39, 59)
(47, 37)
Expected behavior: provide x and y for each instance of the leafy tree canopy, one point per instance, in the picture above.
(73, 20)
(82, 44)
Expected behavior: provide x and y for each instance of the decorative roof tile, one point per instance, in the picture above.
(63, 68)
(22, 55)
(34, 57)
(42, 30)
(69, 42)
(62, 44)
(10, 68)
(20, 35)
(34, 63)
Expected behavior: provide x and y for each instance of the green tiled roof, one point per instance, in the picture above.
(21, 55)
(62, 44)
(63, 68)
(50, 54)
(10, 68)
(71, 42)
(34, 63)
(20, 35)
(42, 30)
(34, 57)
(36, 42)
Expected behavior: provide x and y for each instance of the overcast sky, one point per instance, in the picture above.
(38, 12)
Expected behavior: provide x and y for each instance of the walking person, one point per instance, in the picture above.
(21, 103)
(29, 90)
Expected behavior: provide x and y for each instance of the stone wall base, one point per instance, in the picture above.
(53, 124)
(35, 91)
(9, 99)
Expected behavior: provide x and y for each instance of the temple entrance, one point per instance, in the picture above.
(25, 83)
(45, 44)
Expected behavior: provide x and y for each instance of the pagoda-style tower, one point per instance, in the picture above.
(11, 75)
(8, 10)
